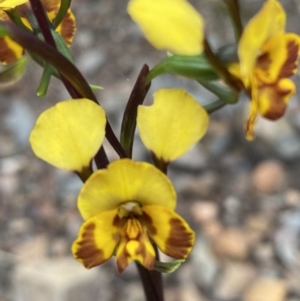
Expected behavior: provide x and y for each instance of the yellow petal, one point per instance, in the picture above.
(279, 58)
(173, 124)
(138, 248)
(7, 4)
(97, 239)
(169, 231)
(125, 181)
(267, 23)
(172, 25)
(69, 134)
(10, 51)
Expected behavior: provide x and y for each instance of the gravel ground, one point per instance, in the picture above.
(242, 199)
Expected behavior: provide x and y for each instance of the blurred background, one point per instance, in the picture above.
(241, 198)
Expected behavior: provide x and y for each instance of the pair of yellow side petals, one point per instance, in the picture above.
(69, 134)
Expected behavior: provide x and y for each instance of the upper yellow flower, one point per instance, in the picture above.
(8, 4)
(126, 208)
(268, 56)
(173, 124)
(10, 51)
(172, 25)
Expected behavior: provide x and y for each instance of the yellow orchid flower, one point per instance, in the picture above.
(10, 51)
(172, 25)
(268, 56)
(8, 4)
(173, 124)
(69, 134)
(126, 208)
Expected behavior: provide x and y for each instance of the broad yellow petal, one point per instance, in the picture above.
(169, 231)
(173, 124)
(172, 25)
(267, 23)
(97, 239)
(7, 4)
(69, 134)
(10, 51)
(125, 181)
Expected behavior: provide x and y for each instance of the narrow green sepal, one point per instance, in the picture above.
(45, 80)
(136, 98)
(168, 267)
(50, 70)
(15, 17)
(96, 88)
(225, 94)
(61, 45)
(193, 67)
(3, 31)
(13, 72)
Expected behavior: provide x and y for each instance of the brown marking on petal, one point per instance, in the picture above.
(149, 223)
(277, 104)
(117, 221)
(7, 56)
(290, 65)
(180, 240)
(87, 251)
(264, 61)
(51, 5)
(67, 28)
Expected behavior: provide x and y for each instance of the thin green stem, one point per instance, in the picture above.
(234, 12)
(63, 9)
(160, 164)
(15, 17)
(136, 98)
(214, 106)
(152, 281)
(220, 68)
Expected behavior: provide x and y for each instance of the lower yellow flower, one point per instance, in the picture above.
(127, 208)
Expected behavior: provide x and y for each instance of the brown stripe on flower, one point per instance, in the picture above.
(7, 55)
(67, 28)
(264, 61)
(149, 223)
(180, 240)
(277, 103)
(86, 248)
(51, 5)
(290, 65)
